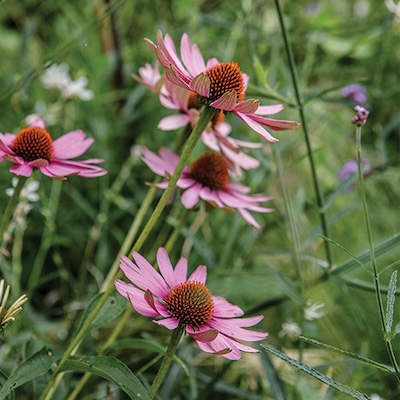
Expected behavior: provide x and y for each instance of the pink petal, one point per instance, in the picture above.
(22, 170)
(199, 275)
(181, 271)
(212, 196)
(191, 56)
(71, 145)
(155, 282)
(174, 77)
(234, 328)
(169, 323)
(38, 123)
(165, 266)
(203, 336)
(275, 124)
(190, 197)
(201, 84)
(136, 298)
(248, 106)
(249, 218)
(256, 127)
(224, 309)
(6, 140)
(226, 102)
(174, 122)
(269, 110)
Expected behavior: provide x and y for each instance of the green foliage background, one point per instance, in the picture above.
(335, 44)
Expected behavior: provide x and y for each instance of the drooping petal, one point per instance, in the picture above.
(190, 197)
(22, 170)
(169, 323)
(226, 102)
(164, 263)
(173, 122)
(255, 126)
(136, 298)
(201, 84)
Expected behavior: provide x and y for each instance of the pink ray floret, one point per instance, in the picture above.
(148, 291)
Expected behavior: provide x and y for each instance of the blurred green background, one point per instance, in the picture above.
(274, 271)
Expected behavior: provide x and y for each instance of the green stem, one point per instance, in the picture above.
(205, 118)
(375, 273)
(11, 206)
(300, 106)
(177, 230)
(166, 362)
(47, 236)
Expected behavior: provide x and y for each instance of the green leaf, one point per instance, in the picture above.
(3, 380)
(34, 366)
(145, 345)
(109, 368)
(276, 383)
(390, 301)
(381, 249)
(364, 360)
(112, 308)
(317, 375)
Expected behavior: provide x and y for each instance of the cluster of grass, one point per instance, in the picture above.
(74, 232)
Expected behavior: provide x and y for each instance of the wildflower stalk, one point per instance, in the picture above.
(300, 106)
(375, 273)
(204, 119)
(166, 362)
(11, 206)
(47, 235)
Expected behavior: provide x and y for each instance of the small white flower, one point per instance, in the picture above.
(28, 192)
(314, 310)
(56, 77)
(291, 329)
(375, 396)
(77, 88)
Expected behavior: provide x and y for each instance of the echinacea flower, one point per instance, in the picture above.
(221, 85)
(208, 179)
(8, 314)
(177, 300)
(215, 136)
(33, 148)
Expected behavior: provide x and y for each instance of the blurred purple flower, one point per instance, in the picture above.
(351, 168)
(355, 92)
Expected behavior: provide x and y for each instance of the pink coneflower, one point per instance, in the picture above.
(216, 135)
(33, 148)
(207, 179)
(177, 300)
(219, 85)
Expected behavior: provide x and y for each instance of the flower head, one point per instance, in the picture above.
(8, 314)
(177, 300)
(314, 310)
(355, 92)
(33, 147)
(361, 116)
(207, 179)
(215, 136)
(221, 85)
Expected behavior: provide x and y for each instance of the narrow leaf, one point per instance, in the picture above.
(3, 380)
(276, 383)
(34, 366)
(109, 368)
(364, 360)
(317, 375)
(390, 301)
(381, 249)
